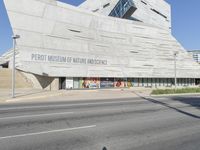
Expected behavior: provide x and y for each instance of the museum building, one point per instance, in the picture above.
(98, 44)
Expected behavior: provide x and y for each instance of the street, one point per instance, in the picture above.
(139, 123)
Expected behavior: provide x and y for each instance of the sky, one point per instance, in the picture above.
(185, 23)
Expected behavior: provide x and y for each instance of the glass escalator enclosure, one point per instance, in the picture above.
(123, 9)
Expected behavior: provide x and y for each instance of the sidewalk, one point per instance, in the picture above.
(22, 94)
(35, 95)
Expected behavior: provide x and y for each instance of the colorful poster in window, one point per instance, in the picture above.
(89, 83)
(107, 83)
(130, 82)
(120, 82)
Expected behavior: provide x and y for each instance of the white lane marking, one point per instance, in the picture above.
(80, 104)
(47, 132)
(38, 115)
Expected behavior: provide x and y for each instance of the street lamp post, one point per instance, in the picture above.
(175, 78)
(14, 37)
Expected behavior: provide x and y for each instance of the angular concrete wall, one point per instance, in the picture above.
(42, 82)
(59, 40)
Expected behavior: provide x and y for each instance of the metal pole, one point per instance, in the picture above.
(175, 82)
(13, 69)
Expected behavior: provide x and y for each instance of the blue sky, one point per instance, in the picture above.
(185, 23)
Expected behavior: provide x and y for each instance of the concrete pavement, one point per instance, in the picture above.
(5, 94)
(30, 95)
(142, 123)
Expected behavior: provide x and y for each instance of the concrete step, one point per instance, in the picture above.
(6, 79)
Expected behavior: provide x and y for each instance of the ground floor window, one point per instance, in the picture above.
(94, 82)
(62, 83)
(197, 82)
(120, 82)
(89, 82)
(106, 82)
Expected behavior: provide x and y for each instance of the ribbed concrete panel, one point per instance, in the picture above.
(68, 41)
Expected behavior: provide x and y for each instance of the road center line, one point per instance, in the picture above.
(38, 115)
(47, 132)
(79, 104)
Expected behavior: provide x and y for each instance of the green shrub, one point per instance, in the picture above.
(173, 91)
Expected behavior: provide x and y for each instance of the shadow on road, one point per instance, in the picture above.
(193, 101)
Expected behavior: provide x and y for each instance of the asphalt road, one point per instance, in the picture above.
(159, 123)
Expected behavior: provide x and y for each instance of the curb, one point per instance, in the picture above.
(179, 94)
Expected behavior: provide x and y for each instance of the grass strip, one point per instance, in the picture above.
(175, 91)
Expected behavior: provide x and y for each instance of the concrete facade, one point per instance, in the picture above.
(154, 12)
(60, 40)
